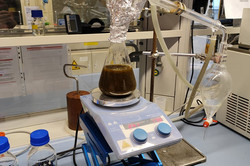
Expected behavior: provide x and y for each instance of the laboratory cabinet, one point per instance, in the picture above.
(32, 78)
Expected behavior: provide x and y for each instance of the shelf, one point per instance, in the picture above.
(66, 39)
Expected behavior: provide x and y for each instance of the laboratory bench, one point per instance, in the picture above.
(221, 146)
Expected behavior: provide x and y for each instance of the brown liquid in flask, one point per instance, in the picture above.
(117, 80)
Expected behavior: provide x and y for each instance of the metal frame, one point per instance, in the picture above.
(97, 146)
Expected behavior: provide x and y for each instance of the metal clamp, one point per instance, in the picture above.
(155, 55)
(75, 78)
(181, 8)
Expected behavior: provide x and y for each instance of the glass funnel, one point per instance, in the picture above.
(117, 77)
(215, 87)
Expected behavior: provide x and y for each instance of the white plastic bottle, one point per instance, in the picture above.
(6, 158)
(41, 152)
(38, 26)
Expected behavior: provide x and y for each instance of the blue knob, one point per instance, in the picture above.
(140, 135)
(164, 129)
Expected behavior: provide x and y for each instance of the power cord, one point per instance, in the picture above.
(67, 155)
(59, 154)
(188, 121)
(108, 160)
(75, 144)
(195, 123)
(76, 135)
(124, 162)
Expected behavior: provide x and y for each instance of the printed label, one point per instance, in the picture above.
(34, 27)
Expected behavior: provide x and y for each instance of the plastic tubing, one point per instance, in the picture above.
(200, 76)
(198, 108)
(164, 47)
(27, 147)
(180, 9)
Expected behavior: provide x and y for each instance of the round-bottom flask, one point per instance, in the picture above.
(216, 86)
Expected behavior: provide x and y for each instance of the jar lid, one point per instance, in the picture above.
(4, 144)
(2, 133)
(36, 13)
(39, 137)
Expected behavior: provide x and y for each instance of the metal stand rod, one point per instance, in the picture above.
(153, 67)
(75, 78)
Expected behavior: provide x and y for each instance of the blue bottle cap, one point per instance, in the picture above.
(39, 137)
(36, 13)
(4, 144)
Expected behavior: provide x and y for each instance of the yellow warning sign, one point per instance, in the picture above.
(125, 145)
(75, 67)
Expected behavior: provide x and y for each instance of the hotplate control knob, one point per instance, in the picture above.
(164, 129)
(140, 135)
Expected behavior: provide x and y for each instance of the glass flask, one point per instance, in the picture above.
(215, 87)
(117, 77)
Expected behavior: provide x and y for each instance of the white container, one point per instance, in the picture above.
(6, 158)
(41, 152)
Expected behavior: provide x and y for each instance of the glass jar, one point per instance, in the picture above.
(41, 152)
(38, 27)
(6, 157)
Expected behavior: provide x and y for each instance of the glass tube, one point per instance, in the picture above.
(192, 15)
(188, 13)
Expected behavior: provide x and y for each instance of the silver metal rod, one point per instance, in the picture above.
(75, 78)
(172, 54)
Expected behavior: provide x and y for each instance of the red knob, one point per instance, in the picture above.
(205, 124)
